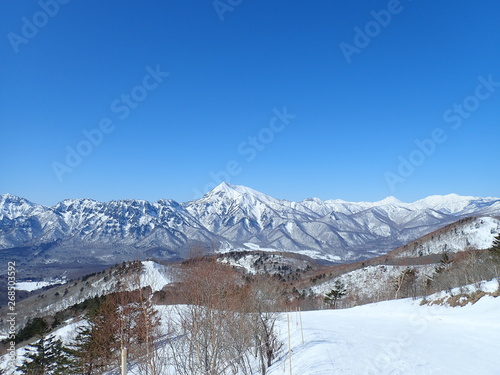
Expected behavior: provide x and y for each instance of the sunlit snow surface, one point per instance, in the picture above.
(395, 337)
(30, 286)
(155, 275)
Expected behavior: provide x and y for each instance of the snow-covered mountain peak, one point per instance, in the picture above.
(442, 199)
(76, 203)
(13, 206)
(237, 192)
(169, 202)
(233, 214)
(450, 203)
(388, 201)
(339, 201)
(10, 198)
(316, 200)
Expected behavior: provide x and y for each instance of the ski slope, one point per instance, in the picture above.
(394, 337)
(154, 275)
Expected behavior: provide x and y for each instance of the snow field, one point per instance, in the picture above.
(154, 275)
(392, 337)
(395, 337)
(30, 286)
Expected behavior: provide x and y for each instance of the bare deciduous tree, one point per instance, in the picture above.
(124, 320)
(404, 282)
(266, 299)
(225, 323)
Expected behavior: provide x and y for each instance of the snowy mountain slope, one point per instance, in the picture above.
(130, 276)
(119, 230)
(92, 232)
(155, 275)
(345, 229)
(373, 283)
(374, 280)
(265, 263)
(471, 233)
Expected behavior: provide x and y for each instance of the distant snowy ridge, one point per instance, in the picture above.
(96, 232)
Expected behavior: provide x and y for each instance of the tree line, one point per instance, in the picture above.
(227, 325)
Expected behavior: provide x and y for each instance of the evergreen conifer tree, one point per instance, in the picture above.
(339, 290)
(35, 362)
(46, 356)
(495, 248)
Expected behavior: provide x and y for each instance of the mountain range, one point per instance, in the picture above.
(86, 231)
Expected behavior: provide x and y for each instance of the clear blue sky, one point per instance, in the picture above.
(356, 120)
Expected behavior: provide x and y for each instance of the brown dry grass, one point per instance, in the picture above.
(460, 300)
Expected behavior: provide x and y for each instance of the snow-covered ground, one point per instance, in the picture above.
(395, 337)
(253, 263)
(318, 255)
(246, 262)
(30, 286)
(379, 279)
(155, 275)
(477, 233)
(226, 247)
